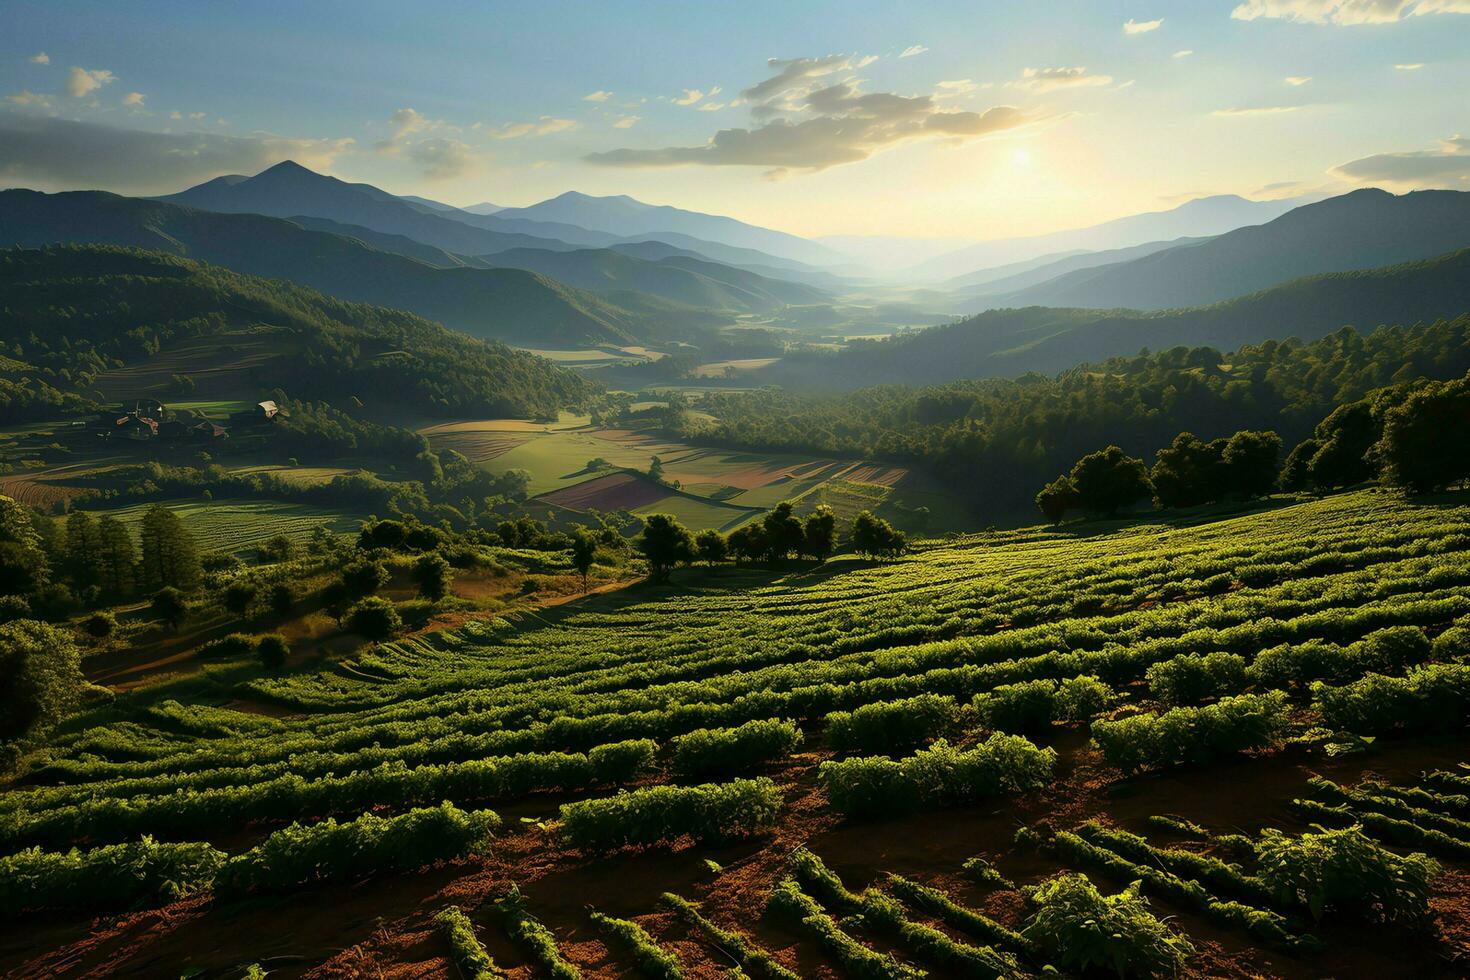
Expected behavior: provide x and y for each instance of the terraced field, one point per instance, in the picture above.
(856, 769)
(240, 526)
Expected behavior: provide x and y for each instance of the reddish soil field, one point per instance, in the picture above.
(875, 473)
(616, 491)
(477, 447)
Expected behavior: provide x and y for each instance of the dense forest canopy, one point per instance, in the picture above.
(72, 312)
(1009, 436)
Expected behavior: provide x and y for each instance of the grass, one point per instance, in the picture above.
(238, 526)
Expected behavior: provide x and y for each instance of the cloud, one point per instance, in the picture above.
(1182, 54)
(1414, 66)
(1445, 165)
(1051, 79)
(29, 99)
(712, 107)
(1297, 80)
(1346, 12)
(837, 124)
(912, 50)
(953, 87)
(402, 125)
(40, 58)
(1132, 26)
(83, 82)
(601, 95)
(134, 100)
(442, 158)
(1256, 110)
(693, 95)
(795, 76)
(61, 154)
(544, 126)
(626, 122)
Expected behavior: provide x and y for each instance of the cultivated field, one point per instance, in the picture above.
(241, 526)
(814, 756)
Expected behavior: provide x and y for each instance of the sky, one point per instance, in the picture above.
(967, 120)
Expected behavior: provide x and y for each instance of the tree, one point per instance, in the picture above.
(1250, 463)
(170, 606)
(784, 533)
(748, 543)
(118, 559)
(238, 597)
(282, 599)
(83, 549)
(1426, 438)
(40, 679)
(1345, 437)
(819, 533)
(363, 578)
(711, 546)
(277, 549)
(1296, 472)
(873, 537)
(272, 649)
(1056, 498)
(374, 618)
(665, 543)
(23, 565)
(1109, 480)
(336, 598)
(170, 558)
(100, 625)
(1188, 472)
(434, 576)
(584, 551)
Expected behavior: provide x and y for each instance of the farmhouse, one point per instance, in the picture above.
(135, 427)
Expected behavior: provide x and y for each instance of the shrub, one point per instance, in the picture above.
(272, 649)
(524, 929)
(1346, 872)
(374, 618)
(1452, 644)
(1435, 698)
(936, 776)
(652, 959)
(891, 726)
(328, 851)
(725, 751)
(40, 678)
(115, 878)
(233, 645)
(1079, 927)
(1192, 735)
(464, 946)
(1393, 650)
(100, 625)
(712, 811)
(1193, 677)
(363, 578)
(1031, 706)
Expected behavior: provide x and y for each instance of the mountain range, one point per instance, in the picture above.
(1012, 342)
(1361, 230)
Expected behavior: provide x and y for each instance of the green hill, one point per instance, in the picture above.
(1009, 343)
(507, 304)
(80, 312)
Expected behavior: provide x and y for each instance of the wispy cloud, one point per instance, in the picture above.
(1256, 110)
(601, 95)
(1297, 80)
(29, 99)
(1132, 26)
(693, 95)
(1346, 12)
(433, 144)
(1413, 66)
(40, 58)
(1446, 164)
(626, 122)
(82, 81)
(820, 126)
(1185, 53)
(1051, 79)
(544, 126)
(912, 50)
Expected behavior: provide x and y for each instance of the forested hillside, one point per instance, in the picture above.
(1003, 438)
(1013, 342)
(75, 311)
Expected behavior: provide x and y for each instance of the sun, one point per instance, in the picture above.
(1021, 158)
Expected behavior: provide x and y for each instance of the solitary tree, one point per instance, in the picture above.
(374, 618)
(584, 551)
(434, 576)
(169, 605)
(874, 537)
(1109, 480)
(665, 543)
(238, 597)
(819, 533)
(711, 546)
(784, 533)
(272, 649)
(1056, 498)
(282, 599)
